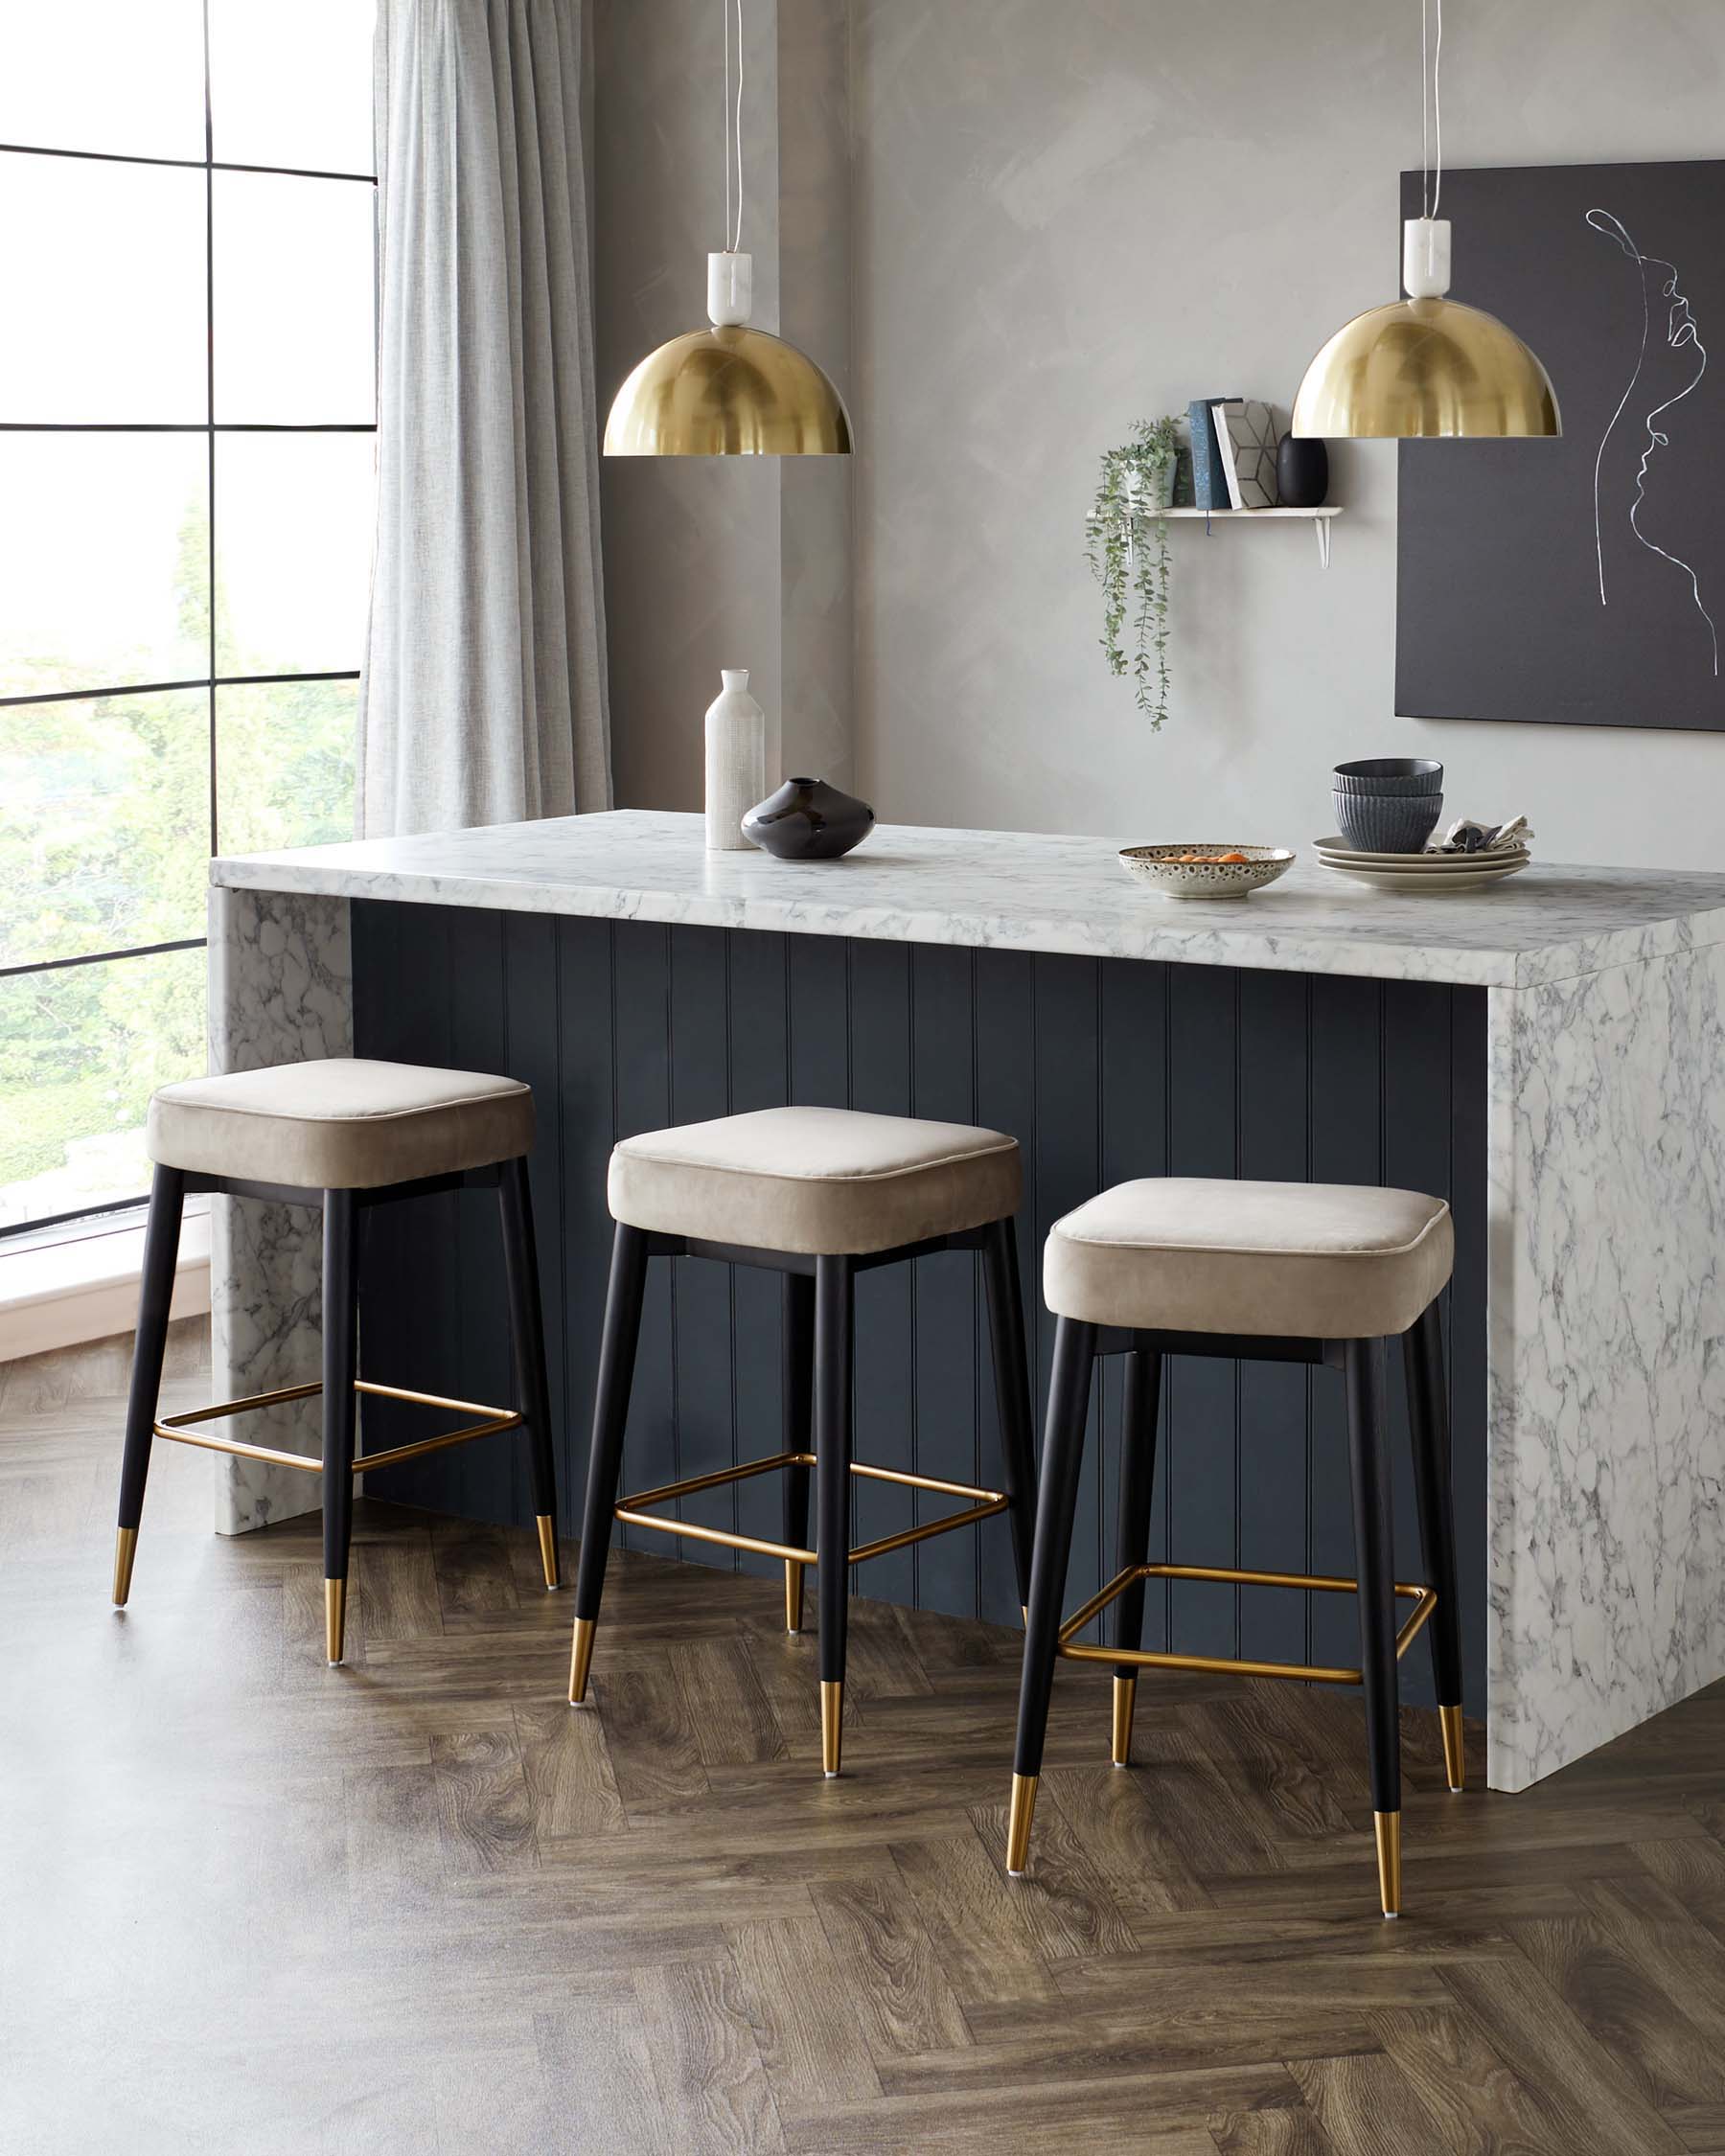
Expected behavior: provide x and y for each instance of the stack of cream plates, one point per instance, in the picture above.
(1437, 875)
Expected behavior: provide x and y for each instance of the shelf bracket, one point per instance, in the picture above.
(1322, 526)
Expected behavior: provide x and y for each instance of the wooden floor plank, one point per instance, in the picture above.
(805, 2023)
(1537, 2034)
(1114, 1815)
(1477, 2101)
(1067, 1904)
(571, 1785)
(1293, 2132)
(708, 2070)
(1367, 2106)
(599, 2078)
(905, 2001)
(1628, 2013)
(484, 1811)
(975, 1919)
(395, 1582)
(734, 1723)
(655, 1753)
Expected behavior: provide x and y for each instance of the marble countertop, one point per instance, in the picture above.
(1020, 891)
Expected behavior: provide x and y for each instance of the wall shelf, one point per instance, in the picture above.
(1317, 518)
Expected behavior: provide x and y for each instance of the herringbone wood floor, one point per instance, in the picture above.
(418, 1905)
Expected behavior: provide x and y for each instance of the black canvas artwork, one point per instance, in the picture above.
(1578, 582)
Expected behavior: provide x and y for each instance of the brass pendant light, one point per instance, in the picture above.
(728, 390)
(1426, 365)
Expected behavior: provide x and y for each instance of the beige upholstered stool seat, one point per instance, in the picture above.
(1309, 1260)
(822, 1182)
(342, 1124)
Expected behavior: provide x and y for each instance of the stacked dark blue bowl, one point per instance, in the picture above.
(1388, 804)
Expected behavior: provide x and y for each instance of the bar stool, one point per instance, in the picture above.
(820, 1195)
(1276, 1271)
(344, 1134)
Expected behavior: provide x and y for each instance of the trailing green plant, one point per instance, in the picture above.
(1128, 555)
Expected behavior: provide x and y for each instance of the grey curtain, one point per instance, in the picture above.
(483, 697)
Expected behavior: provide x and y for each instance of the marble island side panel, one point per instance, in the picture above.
(281, 991)
(1606, 1313)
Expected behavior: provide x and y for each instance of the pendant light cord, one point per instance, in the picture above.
(1431, 108)
(733, 227)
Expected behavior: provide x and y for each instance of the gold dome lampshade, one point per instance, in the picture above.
(1426, 366)
(728, 391)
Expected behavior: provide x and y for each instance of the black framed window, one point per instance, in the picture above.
(187, 439)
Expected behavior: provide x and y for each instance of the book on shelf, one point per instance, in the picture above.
(1245, 432)
(1210, 478)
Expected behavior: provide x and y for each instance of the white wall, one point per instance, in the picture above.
(1069, 217)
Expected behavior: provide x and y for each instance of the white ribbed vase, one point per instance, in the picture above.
(736, 762)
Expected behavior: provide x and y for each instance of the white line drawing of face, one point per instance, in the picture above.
(1679, 342)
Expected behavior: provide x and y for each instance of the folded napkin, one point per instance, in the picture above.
(1466, 837)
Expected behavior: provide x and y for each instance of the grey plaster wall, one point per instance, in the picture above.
(696, 561)
(1009, 229)
(1069, 217)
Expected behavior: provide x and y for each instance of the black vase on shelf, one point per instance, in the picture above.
(807, 819)
(1301, 473)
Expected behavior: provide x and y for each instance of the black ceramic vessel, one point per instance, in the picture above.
(1301, 473)
(807, 819)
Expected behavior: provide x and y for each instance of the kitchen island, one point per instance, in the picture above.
(1544, 1054)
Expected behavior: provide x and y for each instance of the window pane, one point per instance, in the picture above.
(81, 1052)
(293, 300)
(291, 84)
(116, 75)
(293, 538)
(104, 818)
(104, 553)
(103, 265)
(285, 765)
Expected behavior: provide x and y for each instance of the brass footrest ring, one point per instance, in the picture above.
(180, 1430)
(1423, 1598)
(633, 1510)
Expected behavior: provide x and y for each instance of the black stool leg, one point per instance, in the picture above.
(798, 1383)
(155, 1300)
(834, 1285)
(1428, 1422)
(1057, 1501)
(527, 1334)
(611, 1413)
(340, 1368)
(1012, 1392)
(1374, 1561)
(1132, 1547)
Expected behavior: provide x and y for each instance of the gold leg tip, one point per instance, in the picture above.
(1388, 1826)
(1017, 1824)
(1455, 1755)
(126, 1548)
(547, 1534)
(1125, 1699)
(580, 1659)
(832, 1726)
(793, 1598)
(334, 1619)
